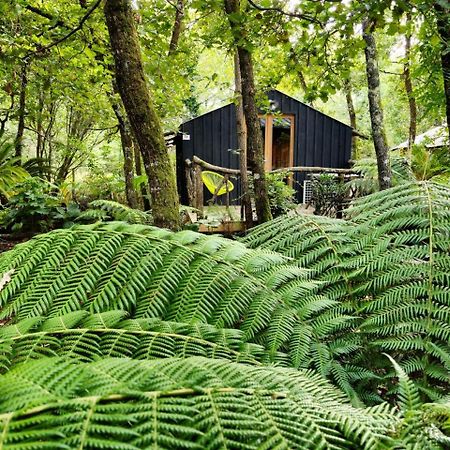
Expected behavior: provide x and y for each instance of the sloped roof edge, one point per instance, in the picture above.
(432, 138)
(268, 93)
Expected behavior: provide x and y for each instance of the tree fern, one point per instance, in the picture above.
(110, 210)
(389, 268)
(89, 337)
(156, 274)
(332, 295)
(374, 284)
(172, 403)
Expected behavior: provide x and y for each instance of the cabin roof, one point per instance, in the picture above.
(433, 138)
(272, 91)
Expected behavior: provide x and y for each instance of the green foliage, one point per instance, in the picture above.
(90, 337)
(104, 179)
(127, 336)
(36, 206)
(180, 403)
(10, 172)
(281, 194)
(183, 277)
(431, 163)
(388, 268)
(368, 184)
(108, 210)
(328, 194)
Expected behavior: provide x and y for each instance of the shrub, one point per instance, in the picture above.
(36, 207)
(281, 194)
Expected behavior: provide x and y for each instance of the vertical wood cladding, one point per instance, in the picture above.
(320, 140)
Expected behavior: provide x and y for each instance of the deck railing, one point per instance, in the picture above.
(195, 186)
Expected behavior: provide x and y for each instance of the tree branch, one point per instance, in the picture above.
(286, 13)
(177, 26)
(175, 6)
(39, 12)
(68, 35)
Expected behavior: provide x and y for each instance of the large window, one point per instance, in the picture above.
(278, 135)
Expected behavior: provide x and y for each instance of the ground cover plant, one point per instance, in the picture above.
(129, 336)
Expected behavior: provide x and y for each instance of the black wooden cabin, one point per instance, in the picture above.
(294, 135)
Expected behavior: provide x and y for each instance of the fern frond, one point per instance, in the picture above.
(388, 267)
(171, 403)
(116, 211)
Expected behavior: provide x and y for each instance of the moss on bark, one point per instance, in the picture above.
(142, 115)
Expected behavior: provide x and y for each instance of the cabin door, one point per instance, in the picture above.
(278, 134)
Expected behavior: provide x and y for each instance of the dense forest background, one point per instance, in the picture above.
(59, 102)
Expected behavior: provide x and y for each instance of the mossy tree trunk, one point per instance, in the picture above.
(375, 107)
(141, 112)
(255, 148)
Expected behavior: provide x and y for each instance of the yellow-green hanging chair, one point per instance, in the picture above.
(214, 181)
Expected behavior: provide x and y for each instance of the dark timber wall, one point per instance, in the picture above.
(320, 140)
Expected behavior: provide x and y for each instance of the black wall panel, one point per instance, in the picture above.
(320, 140)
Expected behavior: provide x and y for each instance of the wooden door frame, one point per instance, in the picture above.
(268, 141)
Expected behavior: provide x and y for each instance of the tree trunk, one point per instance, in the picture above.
(138, 168)
(78, 127)
(39, 123)
(409, 88)
(22, 106)
(375, 107)
(126, 139)
(142, 115)
(351, 114)
(10, 91)
(255, 149)
(47, 142)
(242, 145)
(443, 25)
(177, 27)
